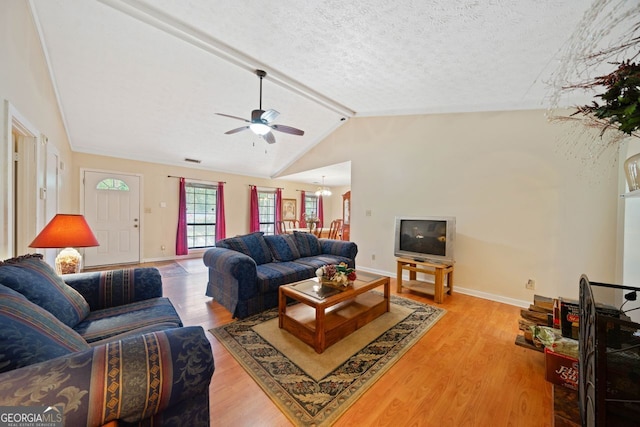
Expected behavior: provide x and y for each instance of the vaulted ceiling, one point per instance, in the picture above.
(143, 79)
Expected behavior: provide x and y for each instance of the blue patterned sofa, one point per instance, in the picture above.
(245, 272)
(101, 346)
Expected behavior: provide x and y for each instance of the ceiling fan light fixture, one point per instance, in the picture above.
(260, 122)
(259, 128)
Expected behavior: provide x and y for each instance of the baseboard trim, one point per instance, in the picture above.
(493, 297)
(171, 258)
(465, 291)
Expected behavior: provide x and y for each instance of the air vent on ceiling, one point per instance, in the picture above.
(192, 160)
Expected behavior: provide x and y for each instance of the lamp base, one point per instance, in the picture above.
(68, 261)
(632, 171)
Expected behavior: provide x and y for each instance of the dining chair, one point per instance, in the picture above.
(281, 227)
(334, 229)
(292, 223)
(315, 228)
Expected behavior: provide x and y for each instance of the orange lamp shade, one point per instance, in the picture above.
(65, 230)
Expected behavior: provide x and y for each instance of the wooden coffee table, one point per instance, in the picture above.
(327, 315)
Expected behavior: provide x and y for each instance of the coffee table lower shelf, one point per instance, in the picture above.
(339, 320)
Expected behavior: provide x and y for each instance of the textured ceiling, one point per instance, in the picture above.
(143, 79)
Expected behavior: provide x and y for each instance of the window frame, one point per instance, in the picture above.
(267, 220)
(209, 226)
(112, 184)
(311, 206)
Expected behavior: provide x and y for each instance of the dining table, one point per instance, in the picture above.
(324, 231)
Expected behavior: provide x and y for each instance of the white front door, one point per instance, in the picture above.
(112, 209)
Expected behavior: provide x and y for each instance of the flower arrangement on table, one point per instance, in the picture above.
(340, 275)
(312, 222)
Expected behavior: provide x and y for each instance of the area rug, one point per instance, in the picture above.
(315, 389)
(172, 270)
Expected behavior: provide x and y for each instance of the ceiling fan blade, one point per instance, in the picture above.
(269, 115)
(234, 117)
(287, 129)
(232, 131)
(269, 138)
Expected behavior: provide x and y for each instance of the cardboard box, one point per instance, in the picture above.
(570, 316)
(561, 369)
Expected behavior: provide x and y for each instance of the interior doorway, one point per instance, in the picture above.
(25, 193)
(25, 196)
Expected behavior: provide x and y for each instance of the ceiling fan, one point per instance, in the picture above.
(260, 122)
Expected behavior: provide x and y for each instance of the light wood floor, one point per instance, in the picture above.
(466, 371)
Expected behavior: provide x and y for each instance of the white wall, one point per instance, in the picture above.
(159, 223)
(524, 208)
(26, 85)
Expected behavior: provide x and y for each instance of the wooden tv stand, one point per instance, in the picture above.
(440, 271)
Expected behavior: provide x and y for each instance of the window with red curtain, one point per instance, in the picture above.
(201, 218)
(264, 209)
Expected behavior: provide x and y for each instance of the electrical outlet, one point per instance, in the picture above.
(373, 257)
(531, 284)
(163, 247)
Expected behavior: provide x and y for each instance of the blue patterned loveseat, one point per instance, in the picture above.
(101, 347)
(245, 272)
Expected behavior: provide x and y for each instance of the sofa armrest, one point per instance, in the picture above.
(112, 288)
(233, 272)
(340, 248)
(131, 379)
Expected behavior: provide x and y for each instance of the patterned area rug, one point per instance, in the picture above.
(315, 389)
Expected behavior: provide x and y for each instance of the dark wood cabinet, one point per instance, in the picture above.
(346, 216)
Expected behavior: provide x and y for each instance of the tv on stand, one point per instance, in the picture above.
(425, 239)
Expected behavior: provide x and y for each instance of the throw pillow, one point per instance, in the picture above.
(30, 334)
(283, 247)
(36, 280)
(307, 244)
(252, 245)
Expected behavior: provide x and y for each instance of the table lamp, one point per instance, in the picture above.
(66, 231)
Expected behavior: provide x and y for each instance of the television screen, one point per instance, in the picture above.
(427, 238)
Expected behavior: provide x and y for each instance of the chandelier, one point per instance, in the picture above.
(323, 191)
